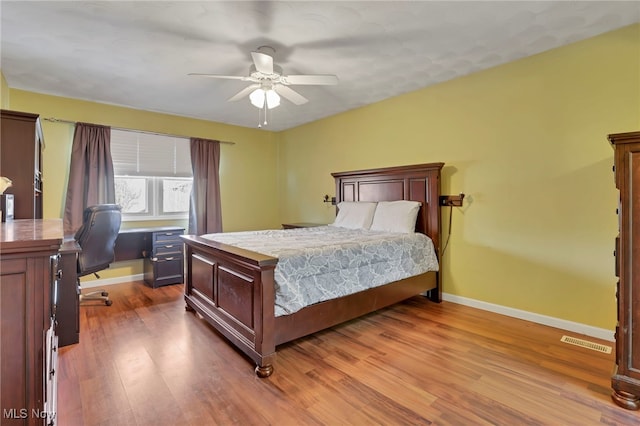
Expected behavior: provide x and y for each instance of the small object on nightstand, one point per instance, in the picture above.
(301, 225)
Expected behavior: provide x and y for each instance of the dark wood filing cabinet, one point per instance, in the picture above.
(164, 262)
(626, 376)
(21, 145)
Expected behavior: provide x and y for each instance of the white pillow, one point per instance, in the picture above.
(396, 216)
(354, 215)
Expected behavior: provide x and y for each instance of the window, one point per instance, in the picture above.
(153, 176)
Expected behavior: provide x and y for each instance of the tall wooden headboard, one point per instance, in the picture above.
(420, 182)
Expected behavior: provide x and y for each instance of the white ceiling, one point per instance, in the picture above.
(138, 53)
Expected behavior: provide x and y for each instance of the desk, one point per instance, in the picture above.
(68, 306)
(131, 244)
(136, 243)
(161, 249)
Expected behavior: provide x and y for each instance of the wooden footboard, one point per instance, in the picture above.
(233, 290)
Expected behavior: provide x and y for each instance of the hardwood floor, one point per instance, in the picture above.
(146, 361)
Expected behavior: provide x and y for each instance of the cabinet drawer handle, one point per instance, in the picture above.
(168, 258)
(169, 246)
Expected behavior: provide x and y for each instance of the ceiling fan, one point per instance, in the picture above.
(269, 83)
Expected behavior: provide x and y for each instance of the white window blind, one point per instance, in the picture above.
(143, 154)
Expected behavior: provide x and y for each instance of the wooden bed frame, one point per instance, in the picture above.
(233, 288)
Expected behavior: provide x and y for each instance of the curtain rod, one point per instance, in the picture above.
(59, 120)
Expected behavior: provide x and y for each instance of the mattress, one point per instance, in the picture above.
(326, 262)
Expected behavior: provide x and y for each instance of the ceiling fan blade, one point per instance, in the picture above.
(322, 79)
(290, 94)
(227, 77)
(263, 62)
(244, 92)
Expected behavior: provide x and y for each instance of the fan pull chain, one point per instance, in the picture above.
(265, 110)
(260, 110)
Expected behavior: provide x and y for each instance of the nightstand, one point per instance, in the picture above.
(301, 225)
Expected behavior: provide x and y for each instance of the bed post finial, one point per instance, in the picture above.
(264, 371)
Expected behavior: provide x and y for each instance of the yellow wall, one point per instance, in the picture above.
(527, 142)
(4, 92)
(247, 169)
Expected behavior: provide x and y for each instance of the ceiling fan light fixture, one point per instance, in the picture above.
(258, 97)
(269, 83)
(273, 99)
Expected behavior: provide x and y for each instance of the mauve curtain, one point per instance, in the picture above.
(205, 214)
(90, 173)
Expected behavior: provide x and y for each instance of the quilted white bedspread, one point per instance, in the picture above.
(326, 262)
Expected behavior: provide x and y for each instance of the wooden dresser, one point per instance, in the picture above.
(28, 275)
(626, 376)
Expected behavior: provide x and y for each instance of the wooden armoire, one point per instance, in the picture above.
(626, 376)
(21, 145)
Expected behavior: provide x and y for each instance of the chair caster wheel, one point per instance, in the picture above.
(105, 294)
(108, 302)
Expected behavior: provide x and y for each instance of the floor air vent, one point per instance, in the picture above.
(586, 344)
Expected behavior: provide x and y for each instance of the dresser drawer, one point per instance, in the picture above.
(160, 250)
(170, 255)
(167, 237)
(164, 270)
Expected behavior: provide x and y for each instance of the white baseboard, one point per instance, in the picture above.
(102, 282)
(575, 327)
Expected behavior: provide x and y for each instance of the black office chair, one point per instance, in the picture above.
(97, 239)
